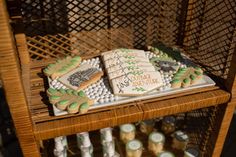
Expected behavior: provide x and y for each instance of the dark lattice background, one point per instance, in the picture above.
(210, 34)
(205, 29)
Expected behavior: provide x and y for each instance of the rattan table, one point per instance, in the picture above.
(34, 33)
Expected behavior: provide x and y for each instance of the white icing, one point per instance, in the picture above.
(127, 127)
(134, 145)
(166, 154)
(157, 137)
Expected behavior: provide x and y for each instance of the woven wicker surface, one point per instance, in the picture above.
(198, 124)
(204, 29)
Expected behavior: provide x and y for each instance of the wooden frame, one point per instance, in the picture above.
(22, 87)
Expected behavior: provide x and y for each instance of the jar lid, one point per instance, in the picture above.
(166, 154)
(192, 152)
(127, 128)
(169, 120)
(134, 145)
(157, 137)
(181, 136)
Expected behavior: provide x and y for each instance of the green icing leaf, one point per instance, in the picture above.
(62, 70)
(187, 80)
(62, 91)
(81, 94)
(132, 68)
(69, 91)
(84, 106)
(197, 73)
(136, 72)
(47, 71)
(130, 63)
(73, 105)
(63, 102)
(50, 65)
(182, 69)
(75, 93)
(192, 77)
(77, 57)
(54, 97)
(52, 91)
(175, 81)
(129, 57)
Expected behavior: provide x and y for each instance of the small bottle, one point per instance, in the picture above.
(156, 142)
(84, 143)
(61, 145)
(168, 124)
(127, 132)
(180, 140)
(86, 152)
(106, 134)
(147, 126)
(191, 152)
(108, 143)
(134, 148)
(166, 154)
(108, 148)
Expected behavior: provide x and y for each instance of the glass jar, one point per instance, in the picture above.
(166, 154)
(127, 132)
(147, 126)
(180, 140)
(134, 148)
(156, 142)
(191, 152)
(168, 124)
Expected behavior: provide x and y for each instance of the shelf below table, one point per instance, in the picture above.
(47, 126)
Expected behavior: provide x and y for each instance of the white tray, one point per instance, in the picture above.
(205, 82)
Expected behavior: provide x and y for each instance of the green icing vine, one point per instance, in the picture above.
(136, 72)
(139, 89)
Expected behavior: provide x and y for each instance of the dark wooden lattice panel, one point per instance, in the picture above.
(85, 15)
(41, 17)
(82, 43)
(157, 20)
(152, 20)
(211, 39)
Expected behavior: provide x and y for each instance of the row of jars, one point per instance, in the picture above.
(156, 140)
(134, 148)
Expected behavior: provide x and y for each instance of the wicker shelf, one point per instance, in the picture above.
(37, 32)
(47, 126)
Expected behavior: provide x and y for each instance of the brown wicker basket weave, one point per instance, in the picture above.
(35, 32)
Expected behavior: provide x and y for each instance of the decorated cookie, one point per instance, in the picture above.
(70, 100)
(81, 77)
(136, 83)
(121, 61)
(126, 53)
(131, 65)
(62, 66)
(165, 64)
(186, 77)
(128, 69)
